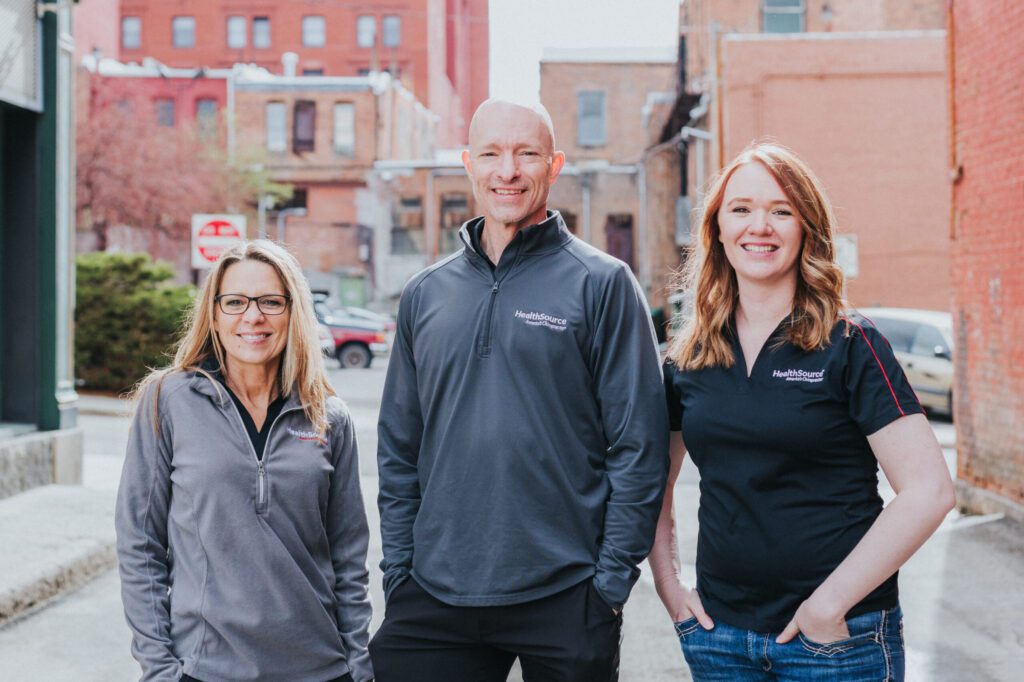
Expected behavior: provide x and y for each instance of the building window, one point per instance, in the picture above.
(618, 233)
(366, 31)
(261, 32)
(782, 16)
(304, 127)
(312, 72)
(206, 117)
(277, 127)
(407, 227)
(300, 199)
(391, 27)
(454, 212)
(164, 112)
(237, 30)
(131, 33)
(314, 31)
(183, 31)
(590, 119)
(345, 129)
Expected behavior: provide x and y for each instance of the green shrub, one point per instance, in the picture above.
(127, 318)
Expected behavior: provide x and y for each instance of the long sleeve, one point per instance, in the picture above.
(349, 536)
(399, 431)
(629, 390)
(143, 501)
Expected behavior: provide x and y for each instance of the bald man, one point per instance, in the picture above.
(523, 437)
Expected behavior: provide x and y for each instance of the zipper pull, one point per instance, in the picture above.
(494, 289)
(263, 475)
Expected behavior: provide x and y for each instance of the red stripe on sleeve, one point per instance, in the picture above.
(880, 366)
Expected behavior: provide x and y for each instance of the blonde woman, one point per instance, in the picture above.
(241, 534)
(787, 407)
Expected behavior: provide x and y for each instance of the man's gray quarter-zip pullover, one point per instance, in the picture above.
(523, 431)
(235, 568)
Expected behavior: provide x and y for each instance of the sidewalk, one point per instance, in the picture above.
(55, 538)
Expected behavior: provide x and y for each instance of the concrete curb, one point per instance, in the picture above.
(55, 539)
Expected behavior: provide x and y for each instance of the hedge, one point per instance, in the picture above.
(127, 318)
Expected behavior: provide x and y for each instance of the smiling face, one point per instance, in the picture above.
(252, 338)
(512, 164)
(759, 228)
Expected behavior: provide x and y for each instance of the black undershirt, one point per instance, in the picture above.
(257, 436)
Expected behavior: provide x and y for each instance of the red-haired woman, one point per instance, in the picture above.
(787, 406)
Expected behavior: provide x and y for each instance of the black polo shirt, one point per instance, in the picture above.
(788, 482)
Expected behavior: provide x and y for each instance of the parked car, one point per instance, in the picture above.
(326, 339)
(923, 343)
(356, 341)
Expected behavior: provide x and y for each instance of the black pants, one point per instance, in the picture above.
(571, 636)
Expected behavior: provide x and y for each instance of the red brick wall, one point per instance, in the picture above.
(987, 242)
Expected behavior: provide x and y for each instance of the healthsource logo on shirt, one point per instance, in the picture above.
(307, 435)
(542, 320)
(799, 375)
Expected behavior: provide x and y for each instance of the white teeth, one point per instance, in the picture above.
(760, 249)
(508, 192)
(254, 337)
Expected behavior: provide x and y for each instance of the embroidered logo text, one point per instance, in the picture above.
(558, 324)
(799, 375)
(308, 435)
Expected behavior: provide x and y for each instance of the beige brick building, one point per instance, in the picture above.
(603, 104)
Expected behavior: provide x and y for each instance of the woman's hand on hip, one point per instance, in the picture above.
(819, 623)
(683, 603)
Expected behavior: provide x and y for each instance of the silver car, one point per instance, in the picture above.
(923, 343)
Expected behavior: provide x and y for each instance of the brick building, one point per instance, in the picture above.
(985, 228)
(174, 99)
(857, 87)
(601, 104)
(437, 48)
(322, 135)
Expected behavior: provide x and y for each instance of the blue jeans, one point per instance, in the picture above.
(872, 653)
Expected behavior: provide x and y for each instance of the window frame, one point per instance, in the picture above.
(300, 143)
(769, 9)
(162, 107)
(175, 20)
(307, 22)
(271, 135)
(262, 21)
(360, 21)
(396, 22)
(350, 150)
(138, 32)
(591, 140)
(234, 18)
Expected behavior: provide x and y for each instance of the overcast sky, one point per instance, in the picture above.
(521, 29)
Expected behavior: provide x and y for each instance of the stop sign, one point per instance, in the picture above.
(212, 235)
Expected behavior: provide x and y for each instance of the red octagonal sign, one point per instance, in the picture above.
(214, 234)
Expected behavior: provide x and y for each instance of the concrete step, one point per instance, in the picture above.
(54, 539)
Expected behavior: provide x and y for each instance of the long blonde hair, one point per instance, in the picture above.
(708, 275)
(302, 365)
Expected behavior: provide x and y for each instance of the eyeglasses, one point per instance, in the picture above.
(238, 304)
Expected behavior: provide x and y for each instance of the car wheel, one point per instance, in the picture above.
(354, 355)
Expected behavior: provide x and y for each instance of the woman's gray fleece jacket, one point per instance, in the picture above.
(233, 569)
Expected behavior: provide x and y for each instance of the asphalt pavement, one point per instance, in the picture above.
(962, 594)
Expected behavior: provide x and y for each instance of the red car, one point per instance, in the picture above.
(356, 341)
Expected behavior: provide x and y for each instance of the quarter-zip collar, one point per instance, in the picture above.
(204, 386)
(545, 236)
